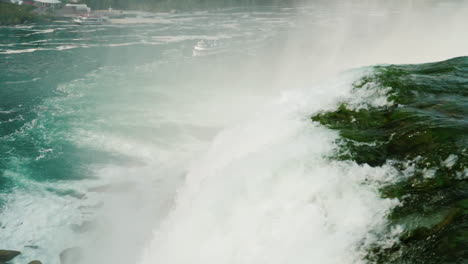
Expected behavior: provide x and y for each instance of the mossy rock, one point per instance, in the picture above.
(425, 128)
(7, 255)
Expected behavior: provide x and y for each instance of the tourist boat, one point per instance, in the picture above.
(89, 20)
(204, 47)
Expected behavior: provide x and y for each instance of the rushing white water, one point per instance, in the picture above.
(267, 192)
(215, 158)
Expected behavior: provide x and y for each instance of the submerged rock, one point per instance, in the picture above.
(7, 255)
(35, 262)
(71, 255)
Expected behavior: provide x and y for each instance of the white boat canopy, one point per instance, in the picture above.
(49, 1)
(77, 5)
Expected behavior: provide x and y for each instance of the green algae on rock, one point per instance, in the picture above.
(422, 131)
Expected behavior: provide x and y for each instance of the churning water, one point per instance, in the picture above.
(124, 142)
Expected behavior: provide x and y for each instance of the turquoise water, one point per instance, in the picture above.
(121, 138)
(83, 106)
(49, 87)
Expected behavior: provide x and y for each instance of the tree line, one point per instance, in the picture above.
(11, 14)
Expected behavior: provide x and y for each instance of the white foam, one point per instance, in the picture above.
(37, 221)
(17, 51)
(45, 31)
(66, 47)
(267, 192)
(450, 160)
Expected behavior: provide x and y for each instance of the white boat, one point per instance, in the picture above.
(204, 48)
(89, 20)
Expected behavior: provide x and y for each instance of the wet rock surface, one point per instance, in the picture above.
(422, 132)
(7, 255)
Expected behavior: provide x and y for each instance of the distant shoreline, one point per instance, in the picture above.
(13, 14)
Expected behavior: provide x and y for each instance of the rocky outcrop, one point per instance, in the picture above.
(419, 128)
(7, 255)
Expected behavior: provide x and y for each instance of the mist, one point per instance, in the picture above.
(183, 202)
(189, 157)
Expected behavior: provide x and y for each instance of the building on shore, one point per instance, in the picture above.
(76, 9)
(47, 3)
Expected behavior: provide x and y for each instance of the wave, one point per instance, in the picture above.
(17, 51)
